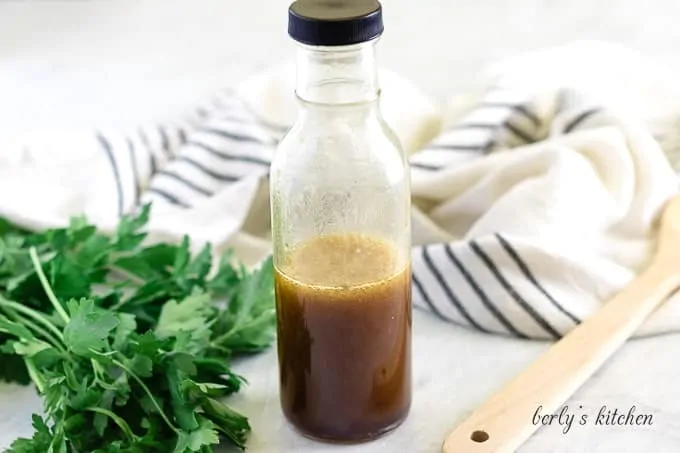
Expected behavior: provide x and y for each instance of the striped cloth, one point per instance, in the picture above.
(529, 210)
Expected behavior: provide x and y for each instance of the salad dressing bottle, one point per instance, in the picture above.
(340, 201)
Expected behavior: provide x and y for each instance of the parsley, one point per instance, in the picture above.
(128, 344)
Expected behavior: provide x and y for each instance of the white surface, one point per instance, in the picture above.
(85, 63)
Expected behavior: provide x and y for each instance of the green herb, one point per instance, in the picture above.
(128, 344)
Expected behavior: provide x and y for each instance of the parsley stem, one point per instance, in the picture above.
(39, 330)
(35, 377)
(122, 424)
(129, 275)
(98, 375)
(221, 338)
(148, 392)
(234, 330)
(46, 285)
(34, 315)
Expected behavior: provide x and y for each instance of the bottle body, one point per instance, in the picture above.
(340, 199)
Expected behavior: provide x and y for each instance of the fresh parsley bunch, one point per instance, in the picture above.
(126, 342)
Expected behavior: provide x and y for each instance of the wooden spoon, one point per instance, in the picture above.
(504, 422)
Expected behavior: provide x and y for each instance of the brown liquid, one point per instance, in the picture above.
(344, 337)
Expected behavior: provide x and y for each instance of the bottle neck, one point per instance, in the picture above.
(337, 75)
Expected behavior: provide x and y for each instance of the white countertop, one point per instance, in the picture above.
(86, 62)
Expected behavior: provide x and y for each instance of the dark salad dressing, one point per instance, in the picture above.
(344, 337)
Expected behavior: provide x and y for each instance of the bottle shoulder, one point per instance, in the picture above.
(370, 140)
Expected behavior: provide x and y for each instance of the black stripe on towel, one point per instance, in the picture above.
(135, 171)
(447, 290)
(144, 139)
(489, 126)
(152, 163)
(522, 135)
(428, 167)
(493, 126)
(206, 170)
(106, 146)
(454, 147)
(152, 157)
(520, 108)
(512, 291)
(165, 142)
(480, 293)
(170, 198)
(522, 265)
(182, 136)
(426, 297)
(232, 157)
(573, 124)
(182, 180)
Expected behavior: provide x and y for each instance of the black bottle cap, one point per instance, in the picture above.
(334, 22)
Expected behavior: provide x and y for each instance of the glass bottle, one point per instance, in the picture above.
(340, 200)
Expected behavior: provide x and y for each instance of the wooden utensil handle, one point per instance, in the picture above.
(505, 421)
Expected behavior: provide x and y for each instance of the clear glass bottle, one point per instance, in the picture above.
(340, 200)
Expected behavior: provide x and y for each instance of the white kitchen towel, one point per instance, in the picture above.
(531, 207)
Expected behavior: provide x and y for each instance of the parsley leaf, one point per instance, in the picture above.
(244, 325)
(89, 327)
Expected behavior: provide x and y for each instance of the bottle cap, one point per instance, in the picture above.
(334, 22)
